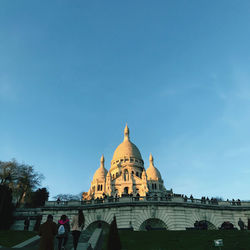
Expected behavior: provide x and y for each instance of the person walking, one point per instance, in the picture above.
(241, 224)
(47, 231)
(26, 223)
(63, 230)
(76, 227)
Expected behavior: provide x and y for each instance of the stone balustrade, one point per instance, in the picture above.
(133, 199)
(173, 212)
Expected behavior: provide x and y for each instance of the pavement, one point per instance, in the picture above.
(34, 245)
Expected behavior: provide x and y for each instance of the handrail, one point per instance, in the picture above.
(134, 199)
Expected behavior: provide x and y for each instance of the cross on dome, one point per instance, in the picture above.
(126, 133)
(151, 160)
(102, 160)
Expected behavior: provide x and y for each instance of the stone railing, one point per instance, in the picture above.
(134, 199)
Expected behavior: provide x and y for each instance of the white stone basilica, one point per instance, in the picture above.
(156, 207)
(127, 175)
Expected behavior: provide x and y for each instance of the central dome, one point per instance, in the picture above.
(126, 148)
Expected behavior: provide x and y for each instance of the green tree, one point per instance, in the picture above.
(114, 242)
(38, 198)
(6, 207)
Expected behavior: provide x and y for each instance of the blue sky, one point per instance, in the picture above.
(72, 73)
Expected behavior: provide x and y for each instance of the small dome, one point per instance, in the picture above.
(126, 148)
(152, 172)
(101, 172)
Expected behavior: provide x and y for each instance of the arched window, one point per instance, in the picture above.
(137, 174)
(125, 190)
(116, 174)
(126, 177)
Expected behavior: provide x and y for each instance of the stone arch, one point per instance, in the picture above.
(98, 224)
(212, 220)
(227, 225)
(205, 225)
(210, 226)
(153, 224)
(152, 212)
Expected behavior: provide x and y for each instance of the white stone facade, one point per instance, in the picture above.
(173, 214)
(127, 175)
(138, 199)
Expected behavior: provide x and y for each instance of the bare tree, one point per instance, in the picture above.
(21, 178)
(69, 197)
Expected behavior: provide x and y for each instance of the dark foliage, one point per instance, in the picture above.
(37, 223)
(114, 242)
(6, 207)
(38, 198)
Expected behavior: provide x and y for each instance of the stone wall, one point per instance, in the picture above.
(174, 214)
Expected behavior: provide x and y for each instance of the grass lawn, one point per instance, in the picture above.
(174, 240)
(12, 238)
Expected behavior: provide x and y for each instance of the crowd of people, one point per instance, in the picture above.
(212, 201)
(49, 230)
(167, 197)
(236, 202)
(136, 197)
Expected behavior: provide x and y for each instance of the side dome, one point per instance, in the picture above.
(101, 172)
(152, 172)
(126, 148)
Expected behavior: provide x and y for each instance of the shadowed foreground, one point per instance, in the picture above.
(174, 240)
(10, 238)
